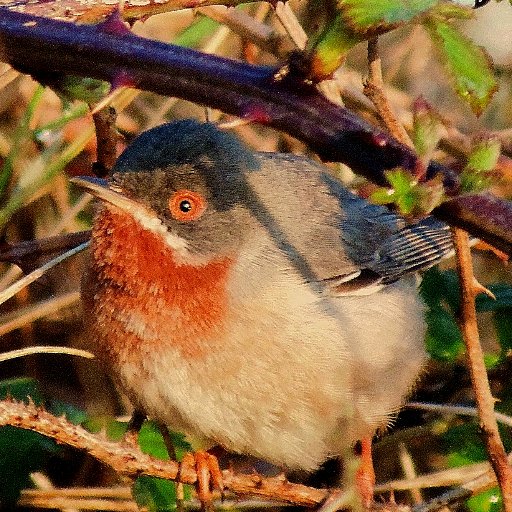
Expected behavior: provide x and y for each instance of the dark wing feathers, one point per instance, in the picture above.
(413, 248)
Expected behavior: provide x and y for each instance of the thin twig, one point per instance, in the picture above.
(374, 90)
(247, 27)
(39, 272)
(128, 460)
(63, 503)
(462, 410)
(291, 24)
(44, 484)
(443, 478)
(45, 349)
(24, 316)
(116, 498)
(409, 471)
(118, 493)
(484, 399)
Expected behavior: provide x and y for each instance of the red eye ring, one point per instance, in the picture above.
(186, 205)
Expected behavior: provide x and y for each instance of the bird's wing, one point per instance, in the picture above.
(384, 246)
(415, 247)
(334, 236)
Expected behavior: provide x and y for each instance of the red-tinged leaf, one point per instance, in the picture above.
(428, 129)
(327, 51)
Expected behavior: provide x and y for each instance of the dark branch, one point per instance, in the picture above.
(41, 46)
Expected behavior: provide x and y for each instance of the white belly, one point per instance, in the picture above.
(293, 385)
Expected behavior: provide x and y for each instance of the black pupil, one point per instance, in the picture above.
(185, 206)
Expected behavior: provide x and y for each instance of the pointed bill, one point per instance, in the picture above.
(147, 218)
(102, 190)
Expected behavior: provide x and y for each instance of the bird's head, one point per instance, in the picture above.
(184, 182)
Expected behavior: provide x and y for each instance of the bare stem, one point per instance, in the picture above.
(484, 399)
(374, 90)
(94, 12)
(106, 140)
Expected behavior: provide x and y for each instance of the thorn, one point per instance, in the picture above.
(131, 439)
(502, 256)
(281, 478)
(379, 140)
(123, 79)
(257, 113)
(256, 478)
(230, 125)
(114, 24)
(480, 288)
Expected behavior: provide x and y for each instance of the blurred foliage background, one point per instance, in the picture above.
(46, 137)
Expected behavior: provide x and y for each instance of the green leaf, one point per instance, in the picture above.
(21, 388)
(439, 288)
(468, 64)
(444, 340)
(427, 129)
(356, 21)
(487, 501)
(410, 196)
(327, 51)
(491, 360)
(72, 413)
(71, 87)
(154, 494)
(440, 292)
(463, 445)
(477, 175)
(503, 325)
(370, 15)
(152, 443)
(21, 451)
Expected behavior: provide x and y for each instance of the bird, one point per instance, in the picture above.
(250, 299)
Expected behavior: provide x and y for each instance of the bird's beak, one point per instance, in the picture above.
(100, 188)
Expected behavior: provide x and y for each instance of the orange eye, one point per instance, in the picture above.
(186, 205)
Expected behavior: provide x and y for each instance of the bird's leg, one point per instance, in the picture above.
(169, 444)
(365, 476)
(134, 425)
(357, 485)
(209, 475)
(171, 451)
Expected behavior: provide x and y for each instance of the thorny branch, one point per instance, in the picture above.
(264, 94)
(91, 12)
(480, 383)
(469, 290)
(127, 459)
